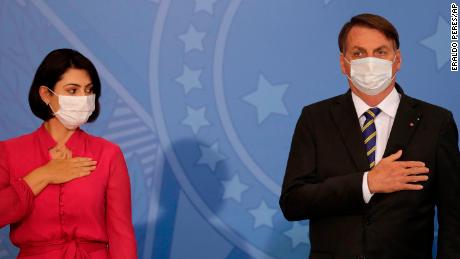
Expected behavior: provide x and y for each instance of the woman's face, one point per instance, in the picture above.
(74, 82)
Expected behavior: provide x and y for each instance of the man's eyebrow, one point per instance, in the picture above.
(358, 47)
(382, 47)
(363, 49)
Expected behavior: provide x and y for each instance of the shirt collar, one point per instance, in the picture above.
(45, 138)
(389, 105)
(74, 143)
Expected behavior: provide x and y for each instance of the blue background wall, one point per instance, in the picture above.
(203, 96)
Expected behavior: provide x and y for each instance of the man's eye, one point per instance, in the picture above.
(381, 52)
(357, 54)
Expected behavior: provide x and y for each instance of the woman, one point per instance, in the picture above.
(65, 193)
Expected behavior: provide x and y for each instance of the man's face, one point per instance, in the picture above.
(365, 42)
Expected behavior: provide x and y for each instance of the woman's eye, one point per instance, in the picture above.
(71, 91)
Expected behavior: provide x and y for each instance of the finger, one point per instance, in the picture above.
(69, 154)
(55, 154)
(416, 178)
(57, 149)
(394, 156)
(81, 159)
(416, 170)
(407, 164)
(412, 187)
(58, 156)
(64, 154)
(85, 163)
(87, 168)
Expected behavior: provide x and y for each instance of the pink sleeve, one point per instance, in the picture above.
(16, 197)
(122, 243)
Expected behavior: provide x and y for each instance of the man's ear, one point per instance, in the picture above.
(44, 94)
(343, 64)
(398, 60)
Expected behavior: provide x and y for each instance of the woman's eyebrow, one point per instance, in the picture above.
(75, 84)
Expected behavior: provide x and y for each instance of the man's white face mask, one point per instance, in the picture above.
(74, 110)
(371, 75)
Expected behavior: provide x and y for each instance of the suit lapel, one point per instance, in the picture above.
(406, 121)
(344, 116)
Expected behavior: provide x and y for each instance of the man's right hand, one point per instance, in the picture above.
(390, 175)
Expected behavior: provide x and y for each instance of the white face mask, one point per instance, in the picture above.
(371, 75)
(74, 111)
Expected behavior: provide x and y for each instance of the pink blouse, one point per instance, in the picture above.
(89, 217)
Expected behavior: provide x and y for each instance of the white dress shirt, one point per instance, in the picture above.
(383, 124)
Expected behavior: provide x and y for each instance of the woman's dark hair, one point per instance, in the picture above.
(372, 21)
(50, 71)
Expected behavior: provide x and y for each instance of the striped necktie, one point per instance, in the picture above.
(370, 134)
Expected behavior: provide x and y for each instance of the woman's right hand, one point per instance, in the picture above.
(65, 170)
(59, 170)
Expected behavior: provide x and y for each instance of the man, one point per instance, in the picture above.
(368, 167)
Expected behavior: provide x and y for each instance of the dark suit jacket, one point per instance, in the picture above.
(323, 183)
